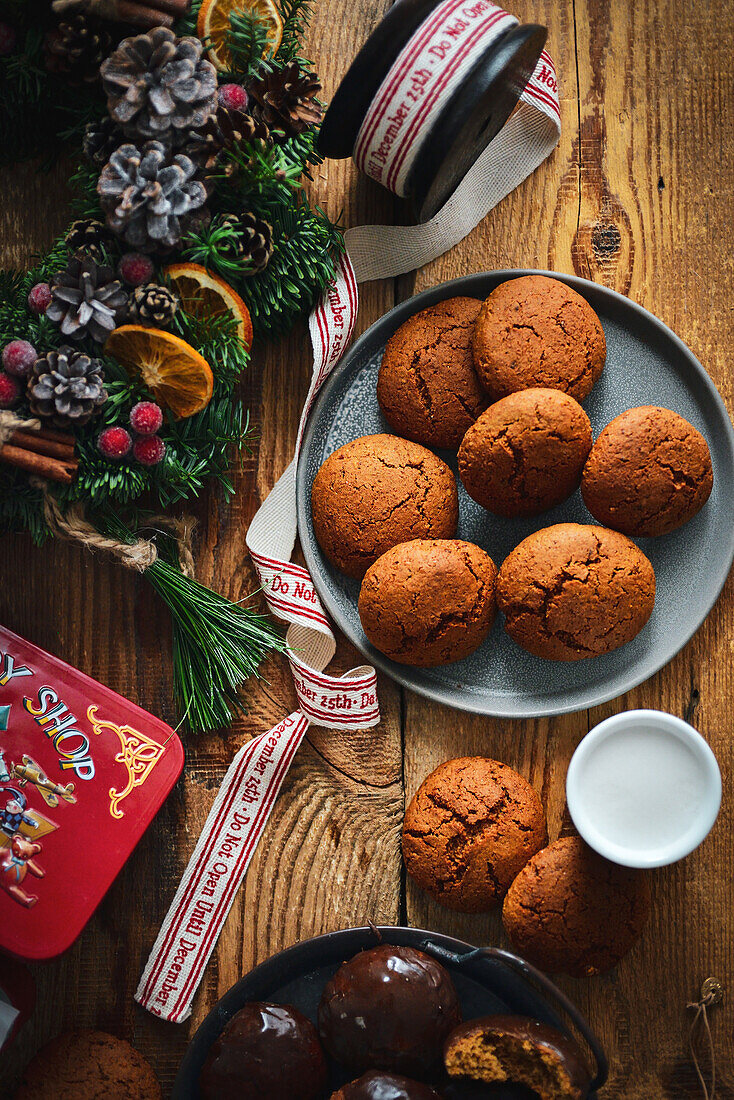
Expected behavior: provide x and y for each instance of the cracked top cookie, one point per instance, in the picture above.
(572, 591)
(536, 331)
(525, 454)
(429, 601)
(648, 473)
(470, 828)
(84, 1065)
(427, 387)
(571, 910)
(376, 492)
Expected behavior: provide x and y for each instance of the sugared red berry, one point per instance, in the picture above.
(18, 357)
(39, 298)
(115, 442)
(233, 97)
(146, 417)
(9, 391)
(149, 450)
(7, 39)
(135, 269)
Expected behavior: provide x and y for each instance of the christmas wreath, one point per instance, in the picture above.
(122, 347)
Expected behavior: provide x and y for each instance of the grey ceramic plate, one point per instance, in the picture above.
(646, 365)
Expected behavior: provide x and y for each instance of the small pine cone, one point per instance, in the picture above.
(229, 131)
(66, 387)
(285, 100)
(101, 139)
(256, 236)
(159, 86)
(76, 48)
(86, 300)
(153, 305)
(149, 196)
(91, 237)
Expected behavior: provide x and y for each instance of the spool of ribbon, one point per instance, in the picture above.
(463, 109)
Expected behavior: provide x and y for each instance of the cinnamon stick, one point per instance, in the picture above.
(56, 437)
(53, 469)
(39, 444)
(175, 7)
(142, 15)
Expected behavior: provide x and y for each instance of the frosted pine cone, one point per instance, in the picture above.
(66, 387)
(148, 195)
(86, 300)
(160, 86)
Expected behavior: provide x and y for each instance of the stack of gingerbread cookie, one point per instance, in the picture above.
(500, 382)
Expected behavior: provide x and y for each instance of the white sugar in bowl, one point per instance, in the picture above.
(643, 788)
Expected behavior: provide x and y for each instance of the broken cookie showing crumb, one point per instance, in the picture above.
(536, 331)
(429, 601)
(521, 1051)
(376, 492)
(571, 910)
(648, 473)
(572, 591)
(427, 387)
(470, 828)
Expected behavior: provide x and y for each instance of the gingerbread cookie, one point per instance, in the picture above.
(429, 601)
(648, 473)
(427, 387)
(536, 331)
(572, 591)
(470, 828)
(88, 1065)
(525, 454)
(571, 910)
(376, 492)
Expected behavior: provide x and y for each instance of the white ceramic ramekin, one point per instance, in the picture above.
(617, 784)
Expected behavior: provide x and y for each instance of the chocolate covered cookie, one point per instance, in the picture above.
(520, 1050)
(470, 828)
(378, 1085)
(572, 591)
(571, 910)
(265, 1052)
(648, 473)
(429, 602)
(427, 387)
(87, 1065)
(388, 1008)
(536, 331)
(376, 492)
(525, 454)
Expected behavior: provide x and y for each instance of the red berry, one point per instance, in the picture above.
(135, 269)
(9, 391)
(115, 442)
(39, 298)
(7, 39)
(18, 357)
(146, 417)
(233, 97)
(149, 450)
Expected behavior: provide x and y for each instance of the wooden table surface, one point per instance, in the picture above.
(638, 196)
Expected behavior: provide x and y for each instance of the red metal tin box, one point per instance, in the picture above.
(82, 774)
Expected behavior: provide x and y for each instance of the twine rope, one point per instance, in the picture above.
(712, 993)
(10, 423)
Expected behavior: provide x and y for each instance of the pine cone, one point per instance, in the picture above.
(149, 195)
(153, 305)
(160, 86)
(101, 139)
(90, 236)
(76, 48)
(86, 300)
(66, 387)
(226, 132)
(252, 240)
(285, 100)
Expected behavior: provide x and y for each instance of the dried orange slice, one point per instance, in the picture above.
(173, 371)
(213, 25)
(205, 295)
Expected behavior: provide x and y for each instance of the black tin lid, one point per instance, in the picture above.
(471, 117)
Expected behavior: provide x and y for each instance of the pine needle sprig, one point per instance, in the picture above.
(296, 15)
(248, 46)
